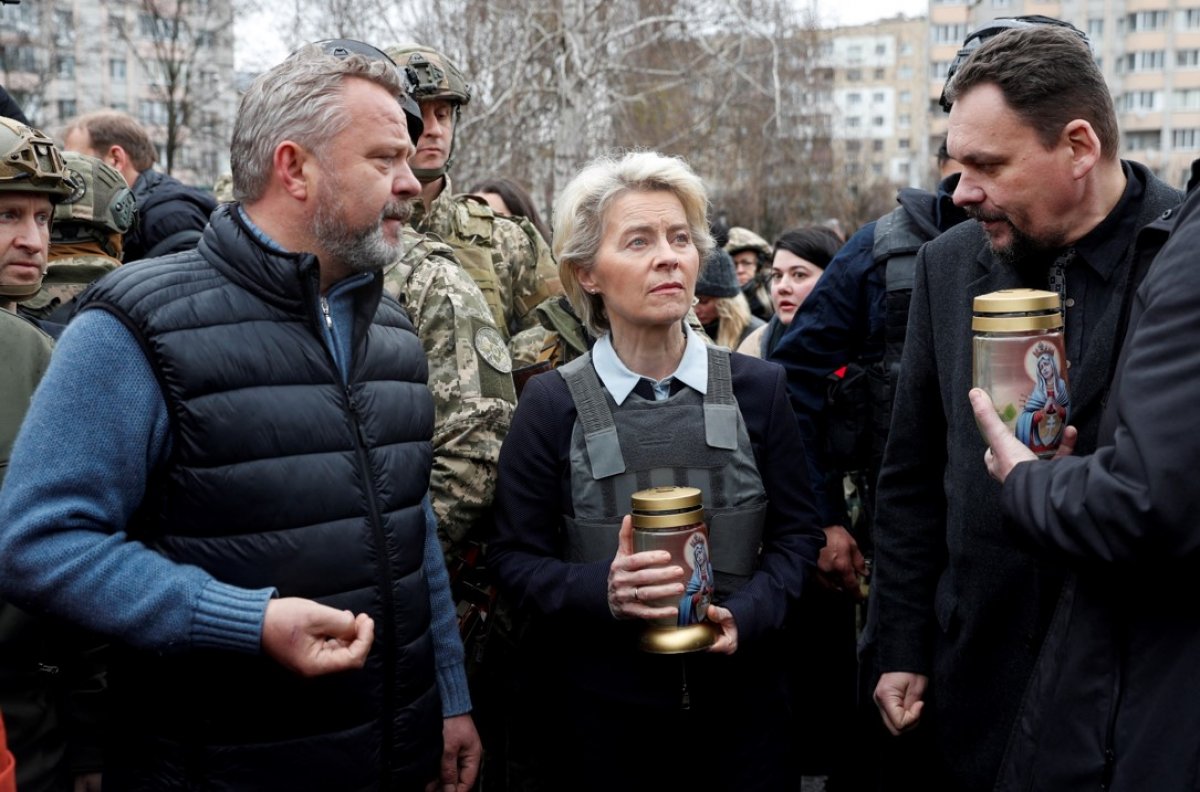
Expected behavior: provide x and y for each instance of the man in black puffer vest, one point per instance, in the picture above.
(227, 470)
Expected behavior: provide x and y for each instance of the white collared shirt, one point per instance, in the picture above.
(619, 381)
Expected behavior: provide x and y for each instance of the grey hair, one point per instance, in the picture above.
(579, 217)
(298, 100)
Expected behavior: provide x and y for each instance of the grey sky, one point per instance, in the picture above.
(258, 44)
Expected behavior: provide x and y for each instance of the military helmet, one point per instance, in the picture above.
(976, 38)
(433, 76)
(432, 73)
(744, 239)
(99, 198)
(30, 162)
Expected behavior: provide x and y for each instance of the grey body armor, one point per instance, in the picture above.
(616, 451)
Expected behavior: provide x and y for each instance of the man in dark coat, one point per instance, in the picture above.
(171, 214)
(1113, 704)
(962, 608)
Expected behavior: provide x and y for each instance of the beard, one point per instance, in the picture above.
(1023, 251)
(363, 248)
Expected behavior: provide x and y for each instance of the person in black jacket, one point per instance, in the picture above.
(963, 608)
(171, 214)
(602, 714)
(1114, 703)
(10, 109)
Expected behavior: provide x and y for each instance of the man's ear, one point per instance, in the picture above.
(116, 157)
(119, 159)
(293, 167)
(1084, 146)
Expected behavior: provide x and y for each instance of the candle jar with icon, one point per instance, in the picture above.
(672, 519)
(1020, 360)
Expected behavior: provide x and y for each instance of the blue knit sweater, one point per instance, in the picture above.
(97, 428)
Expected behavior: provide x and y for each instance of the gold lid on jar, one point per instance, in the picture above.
(660, 508)
(1017, 310)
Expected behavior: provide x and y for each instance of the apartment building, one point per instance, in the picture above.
(60, 58)
(1149, 51)
(880, 122)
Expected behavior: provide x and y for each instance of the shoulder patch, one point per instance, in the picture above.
(491, 347)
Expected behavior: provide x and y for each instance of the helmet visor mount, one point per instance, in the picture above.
(976, 38)
(344, 48)
(31, 162)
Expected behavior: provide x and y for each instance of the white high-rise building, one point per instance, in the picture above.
(61, 58)
(1148, 50)
(880, 123)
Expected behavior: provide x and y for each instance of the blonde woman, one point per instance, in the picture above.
(650, 403)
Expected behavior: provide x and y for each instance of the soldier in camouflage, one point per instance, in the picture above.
(470, 376)
(86, 236)
(506, 257)
(223, 188)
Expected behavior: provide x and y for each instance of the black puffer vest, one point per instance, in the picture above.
(280, 476)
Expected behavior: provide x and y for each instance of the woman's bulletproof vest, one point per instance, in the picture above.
(689, 440)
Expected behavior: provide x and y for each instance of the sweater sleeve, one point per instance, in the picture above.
(443, 625)
(525, 550)
(96, 429)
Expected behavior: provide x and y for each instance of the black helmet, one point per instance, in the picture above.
(344, 48)
(977, 37)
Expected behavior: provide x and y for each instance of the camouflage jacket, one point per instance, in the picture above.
(469, 376)
(66, 277)
(522, 273)
(559, 337)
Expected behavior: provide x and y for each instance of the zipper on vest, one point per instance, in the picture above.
(685, 697)
(1114, 706)
(387, 630)
(325, 312)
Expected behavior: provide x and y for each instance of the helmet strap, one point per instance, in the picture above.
(429, 175)
(19, 292)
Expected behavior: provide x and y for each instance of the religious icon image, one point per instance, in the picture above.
(1044, 415)
(693, 605)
